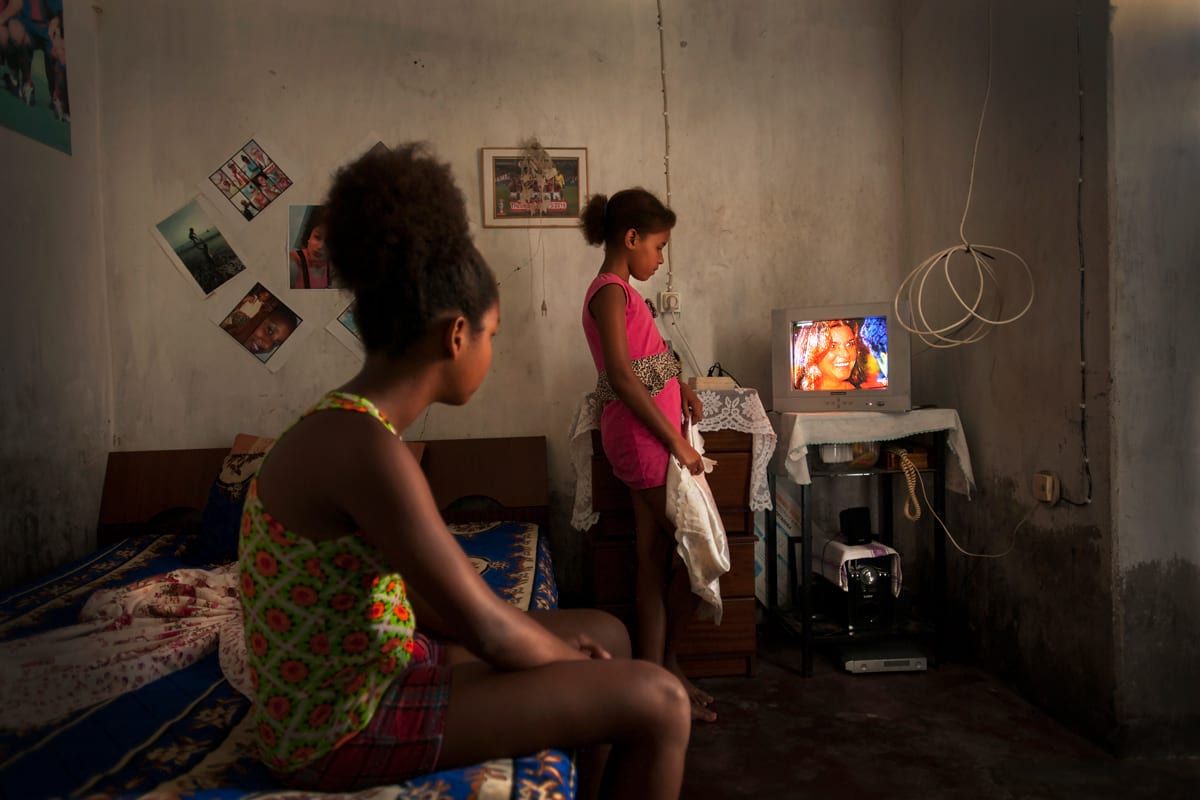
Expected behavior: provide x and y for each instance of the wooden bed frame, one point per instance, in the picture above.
(473, 480)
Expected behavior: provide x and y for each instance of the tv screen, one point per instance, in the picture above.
(839, 358)
(831, 354)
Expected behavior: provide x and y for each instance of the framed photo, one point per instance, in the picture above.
(521, 190)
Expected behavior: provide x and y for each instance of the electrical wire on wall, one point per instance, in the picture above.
(674, 321)
(973, 325)
(662, 74)
(677, 325)
(1087, 467)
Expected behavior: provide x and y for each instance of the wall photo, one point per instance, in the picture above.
(250, 180)
(308, 261)
(261, 323)
(197, 247)
(533, 187)
(33, 70)
(345, 329)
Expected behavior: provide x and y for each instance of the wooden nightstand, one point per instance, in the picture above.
(706, 650)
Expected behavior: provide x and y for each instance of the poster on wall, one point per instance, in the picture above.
(33, 69)
(262, 324)
(533, 187)
(250, 180)
(345, 330)
(308, 262)
(196, 246)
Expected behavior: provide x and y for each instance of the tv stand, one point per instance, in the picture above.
(795, 472)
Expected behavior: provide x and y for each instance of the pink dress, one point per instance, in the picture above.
(638, 457)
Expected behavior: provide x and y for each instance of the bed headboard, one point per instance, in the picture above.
(480, 480)
(473, 480)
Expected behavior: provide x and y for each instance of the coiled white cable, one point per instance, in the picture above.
(972, 325)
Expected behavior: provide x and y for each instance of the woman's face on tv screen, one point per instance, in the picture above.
(838, 361)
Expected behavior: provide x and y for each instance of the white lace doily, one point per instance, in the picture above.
(724, 409)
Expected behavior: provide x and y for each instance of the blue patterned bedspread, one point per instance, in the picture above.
(183, 735)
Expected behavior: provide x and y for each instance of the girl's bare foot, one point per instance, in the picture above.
(700, 698)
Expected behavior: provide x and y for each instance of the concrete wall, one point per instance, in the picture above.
(785, 153)
(1156, 433)
(56, 405)
(1043, 615)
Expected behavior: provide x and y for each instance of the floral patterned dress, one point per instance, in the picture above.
(328, 628)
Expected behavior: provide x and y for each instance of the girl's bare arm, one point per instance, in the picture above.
(389, 499)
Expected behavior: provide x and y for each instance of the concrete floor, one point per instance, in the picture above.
(955, 731)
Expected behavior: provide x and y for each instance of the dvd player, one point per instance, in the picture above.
(883, 657)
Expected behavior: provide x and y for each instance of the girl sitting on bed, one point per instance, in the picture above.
(376, 650)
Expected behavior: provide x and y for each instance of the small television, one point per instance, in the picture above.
(839, 358)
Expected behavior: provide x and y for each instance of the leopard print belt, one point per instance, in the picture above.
(653, 371)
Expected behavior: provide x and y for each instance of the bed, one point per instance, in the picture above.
(186, 734)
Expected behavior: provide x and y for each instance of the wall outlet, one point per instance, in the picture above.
(668, 302)
(1046, 488)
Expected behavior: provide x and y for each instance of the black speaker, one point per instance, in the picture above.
(856, 525)
(870, 605)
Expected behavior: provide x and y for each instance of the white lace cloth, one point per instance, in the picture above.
(724, 409)
(740, 410)
(798, 431)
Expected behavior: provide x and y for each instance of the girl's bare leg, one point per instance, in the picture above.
(681, 607)
(653, 556)
(611, 634)
(637, 707)
(603, 628)
(656, 545)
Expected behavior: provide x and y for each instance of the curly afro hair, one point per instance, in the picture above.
(397, 236)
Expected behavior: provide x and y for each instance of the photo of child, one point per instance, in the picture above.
(260, 322)
(198, 247)
(308, 261)
(255, 178)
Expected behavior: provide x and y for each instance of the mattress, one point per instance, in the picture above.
(187, 734)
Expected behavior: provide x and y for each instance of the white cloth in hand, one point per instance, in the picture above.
(699, 533)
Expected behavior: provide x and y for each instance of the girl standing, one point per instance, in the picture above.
(376, 650)
(643, 405)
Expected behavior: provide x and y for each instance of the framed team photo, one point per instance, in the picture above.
(533, 188)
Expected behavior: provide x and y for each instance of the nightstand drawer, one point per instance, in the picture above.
(727, 441)
(735, 634)
(730, 481)
(614, 570)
